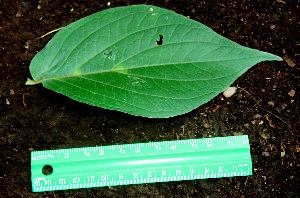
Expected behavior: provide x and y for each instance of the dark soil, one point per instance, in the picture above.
(266, 107)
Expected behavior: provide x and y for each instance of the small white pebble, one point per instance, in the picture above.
(229, 92)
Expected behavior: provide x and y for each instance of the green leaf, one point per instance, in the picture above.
(142, 60)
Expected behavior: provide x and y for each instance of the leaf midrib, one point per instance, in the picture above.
(116, 70)
(146, 65)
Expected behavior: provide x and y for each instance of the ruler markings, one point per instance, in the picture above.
(141, 163)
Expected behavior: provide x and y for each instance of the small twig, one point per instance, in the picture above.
(243, 89)
(276, 116)
(24, 101)
(246, 181)
(50, 32)
(257, 103)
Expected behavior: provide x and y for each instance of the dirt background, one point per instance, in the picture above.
(265, 107)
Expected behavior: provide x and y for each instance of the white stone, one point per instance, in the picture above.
(229, 92)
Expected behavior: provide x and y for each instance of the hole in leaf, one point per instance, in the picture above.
(160, 41)
(47, 170)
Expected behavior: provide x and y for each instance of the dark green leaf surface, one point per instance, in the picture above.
(112, 59)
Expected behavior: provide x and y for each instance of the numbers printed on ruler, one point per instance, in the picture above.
(121, 177)
(194, 145)
(137, 150)
(62, 181)
(66, 155)
(149, 174)
(163, 173)
(173, 147)
(157, 147)
(192, 171)
(91, 179)
(76, 180)
(178, 172)
(105, 178)
(230, 143)
(206, 170)
(209, 144)
(86, 153)
(42, 157)
(122, 150)
(220, 169)
(37, 181)
(135, 175)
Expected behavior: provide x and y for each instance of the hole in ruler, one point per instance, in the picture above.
(47, 170)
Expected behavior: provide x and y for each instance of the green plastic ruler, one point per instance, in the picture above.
(140, 163)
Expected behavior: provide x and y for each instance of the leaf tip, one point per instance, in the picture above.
(275, 57)
(278, 58)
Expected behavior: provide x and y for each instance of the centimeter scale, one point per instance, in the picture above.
(140, 163)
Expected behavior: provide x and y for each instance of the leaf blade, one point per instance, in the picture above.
(126, 70)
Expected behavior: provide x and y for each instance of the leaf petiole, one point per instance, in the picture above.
(33, 82)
